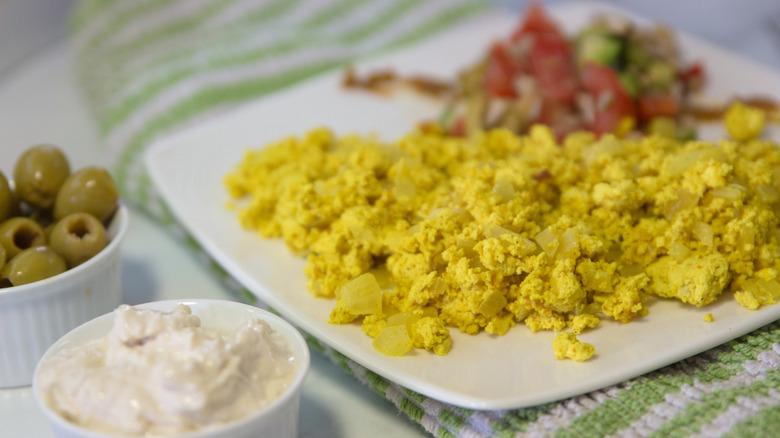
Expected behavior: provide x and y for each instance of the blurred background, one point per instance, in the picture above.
(751, 27)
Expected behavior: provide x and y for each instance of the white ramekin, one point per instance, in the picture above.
(279, 419)
(33, 316)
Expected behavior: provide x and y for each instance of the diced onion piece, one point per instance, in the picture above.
(685, 200)
(492, 303)
(678, 251)
(393, 340)
(432, 311)
(569, 243)
(504, 188)
(361, 233)
(587, 107)
(683, 161)
(361, 296)
(496, 108)
(403, 187)
(383, 277)
(403, 318)
(703, 232)
(631, 270)
(548, 241)
(767, 193)
(731, 192)
(605, 147)
(746, 240)
(604, 100)
(766, 291)
(495, 231)
(468, 248)
(592, 309)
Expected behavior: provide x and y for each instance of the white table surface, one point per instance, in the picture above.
(39, 103)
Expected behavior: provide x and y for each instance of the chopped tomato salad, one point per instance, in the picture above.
(611, 77)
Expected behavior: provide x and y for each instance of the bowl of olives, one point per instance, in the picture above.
(60, 232)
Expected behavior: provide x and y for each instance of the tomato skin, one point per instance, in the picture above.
(657, 105)
(500, 72)
(597, 80)
(552, 65)
(550, 59)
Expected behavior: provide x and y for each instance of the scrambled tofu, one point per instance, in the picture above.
(567, 346)
(496, 230)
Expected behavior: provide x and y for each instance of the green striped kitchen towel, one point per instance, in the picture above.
(151, 67)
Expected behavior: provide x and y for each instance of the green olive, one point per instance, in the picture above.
(78, 237)
(2, 257)
(33, 264)
(20, 233)
(7, 198)
(89, 190)
(38, 174)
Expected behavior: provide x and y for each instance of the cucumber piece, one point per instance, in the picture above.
(630, 82)
(599, 46)
(661, 75)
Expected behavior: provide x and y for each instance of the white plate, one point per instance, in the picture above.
(483, 371)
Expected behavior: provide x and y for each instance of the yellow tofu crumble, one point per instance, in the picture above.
(495, 230)
(567, 346)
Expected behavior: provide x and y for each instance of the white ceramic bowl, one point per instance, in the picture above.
(278, 419)
(33, 316)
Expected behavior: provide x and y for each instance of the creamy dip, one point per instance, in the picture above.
(159, 373)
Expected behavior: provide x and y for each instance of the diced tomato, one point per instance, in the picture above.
(552, 65)
(657, 105)
(604, 85)
(500, 72)
(694, 76)
(536, 22)
(549, 54)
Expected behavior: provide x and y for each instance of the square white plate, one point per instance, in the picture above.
(483, 371)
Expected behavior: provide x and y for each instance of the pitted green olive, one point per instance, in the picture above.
(78, 237)
(51, 219)
(89, 190)
(33, 264)
(7, 198)
(20, 233)
(38, 174)
(2, 257)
